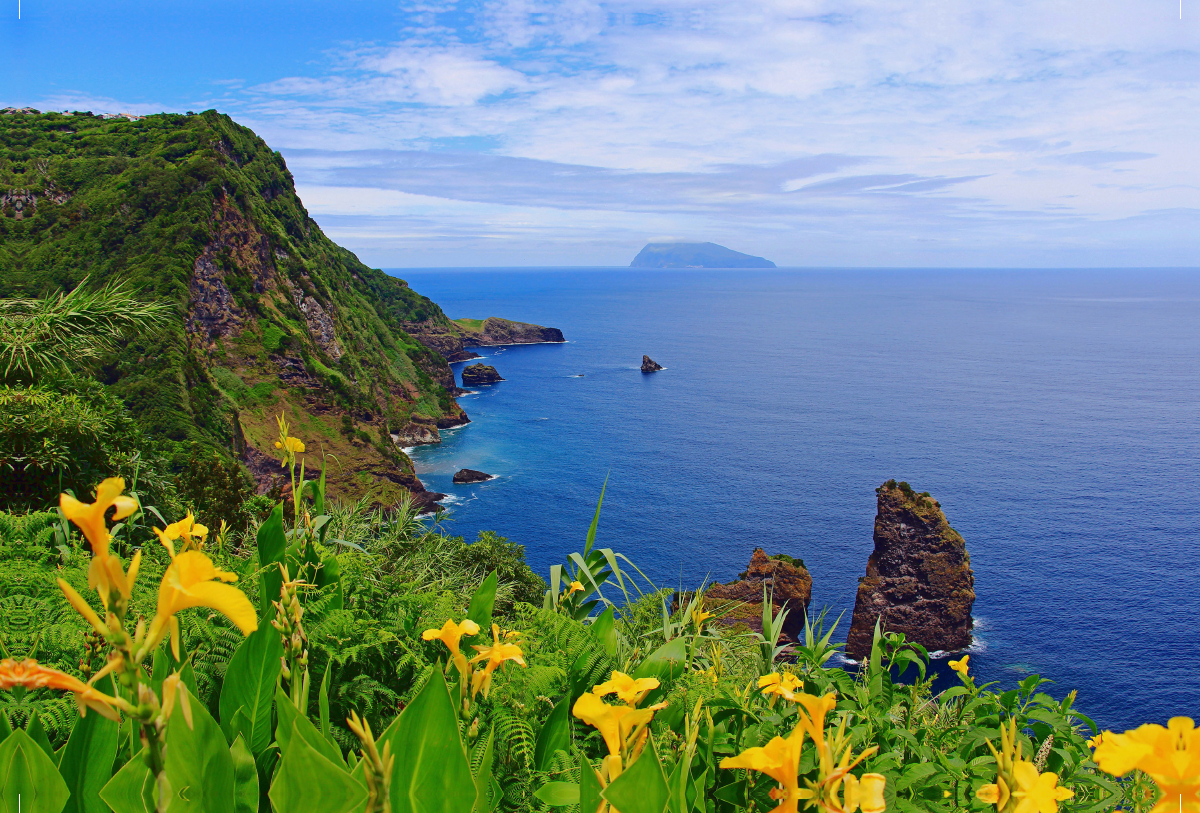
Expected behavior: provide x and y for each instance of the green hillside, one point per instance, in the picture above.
(268, 314)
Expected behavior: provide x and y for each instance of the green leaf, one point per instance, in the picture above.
(604, 630)
(87, 759)
(432, 773)
(589, 787)
(272, 545)
(37, 732)
(131, 790)
(293, 725)
(29, 782)
(915, 773)
(198, 765)
(307, 781)
(554, 736)
(591, 534)
(482, 602)
(485, 800)
(558, 794)
(5, 728)
(642, 788)
(245, 778)
(323, 699)
(665, 663)
(249, 684)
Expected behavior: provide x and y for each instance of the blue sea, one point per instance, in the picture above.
(1055, 414)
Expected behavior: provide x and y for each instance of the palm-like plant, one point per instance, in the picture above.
(66, 332)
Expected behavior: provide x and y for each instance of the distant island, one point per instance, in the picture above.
(695, 255)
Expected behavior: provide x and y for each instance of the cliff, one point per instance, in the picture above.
(787, 581)
(695, 255)
(269, 315)
(918, 578)
(452, 340)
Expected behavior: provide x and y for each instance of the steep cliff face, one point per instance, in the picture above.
(787, 581)
(919, 577)
(270, 315)
(452, 338)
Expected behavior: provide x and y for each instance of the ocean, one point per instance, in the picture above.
(1055, 414)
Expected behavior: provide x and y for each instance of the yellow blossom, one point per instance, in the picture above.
(815, 709)
(189, 582)
(780, 760)
(1037, 792)
(82, 607)
(105, 572)
(1170, 756)
(960, 665)
(174, 691)
(1095, 741)
(623, 729)
(32, 675)
(785, 685)
(495, 655)
(574, 587)
(451, 634)
(699, 616)
(865, 793)
(191, 532)
(628, 690)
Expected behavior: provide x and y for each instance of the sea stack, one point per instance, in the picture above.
(476, 374)
(649, 365)
(919, 577)
(471, 476)
(787, 581)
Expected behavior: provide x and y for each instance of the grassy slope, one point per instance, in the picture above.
(270, 314)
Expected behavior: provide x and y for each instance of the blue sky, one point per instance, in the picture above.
(572, 132)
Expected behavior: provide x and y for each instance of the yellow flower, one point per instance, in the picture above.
(960, 665)
(623, 729)
(451, 634)
(82, 607)
(1037, 793)
(174, 690)
(191, 532)
(996, 793)
(784, 685)
(32, 675)
(628, 691)
(699, 616)
(1095, 741)
(495, 655)
(575, 587)
(105, 573)
(815, 710)
(866, 793)
(1170, 756)
(188, 582)
(780, 760)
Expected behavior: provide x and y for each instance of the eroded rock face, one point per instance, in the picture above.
(496, 331)
(918, 578)
(787, 581)
(649, 365)
(476, 374)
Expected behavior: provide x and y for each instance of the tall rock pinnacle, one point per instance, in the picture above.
(918, 578)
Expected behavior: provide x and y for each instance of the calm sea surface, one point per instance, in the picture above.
(1054, 414)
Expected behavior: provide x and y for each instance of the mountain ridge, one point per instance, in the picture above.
(695, 255)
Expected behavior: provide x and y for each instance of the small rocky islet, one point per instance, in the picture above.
(463, 476)
(918, 581)
(474, 375)
(649, 365)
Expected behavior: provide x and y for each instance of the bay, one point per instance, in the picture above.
(1053, 413)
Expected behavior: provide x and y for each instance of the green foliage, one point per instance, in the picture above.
(215, 488)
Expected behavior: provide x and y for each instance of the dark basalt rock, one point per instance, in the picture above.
(649, 365)
(471, 476)
(476, 374)
(919, 577)
(787, 581)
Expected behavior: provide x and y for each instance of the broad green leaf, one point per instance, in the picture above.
(554, 736)
(323, 698)
(480, 610)
(37, 732)
(558, 794)
(87, 759)
(272, 545)
(484, 801)
(249, 685)
(432, 773)
(293, 725)
(131, 790)
(245, 778)
(665, 663)
(330, 573)
(307, 781)
(915, 773)
(642, 788)
(5, 728)
(591, 534)
(198, 765)
(604, 630)
(589, 787)
(29, 782)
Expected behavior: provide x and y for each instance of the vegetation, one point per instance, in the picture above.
(196, 215)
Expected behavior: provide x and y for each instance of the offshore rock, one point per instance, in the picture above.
(919, 577)
(494, 331)
(649, 365)
(476, 374)
(788, 582)
(471, 476)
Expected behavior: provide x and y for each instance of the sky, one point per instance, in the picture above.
(572, 132)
